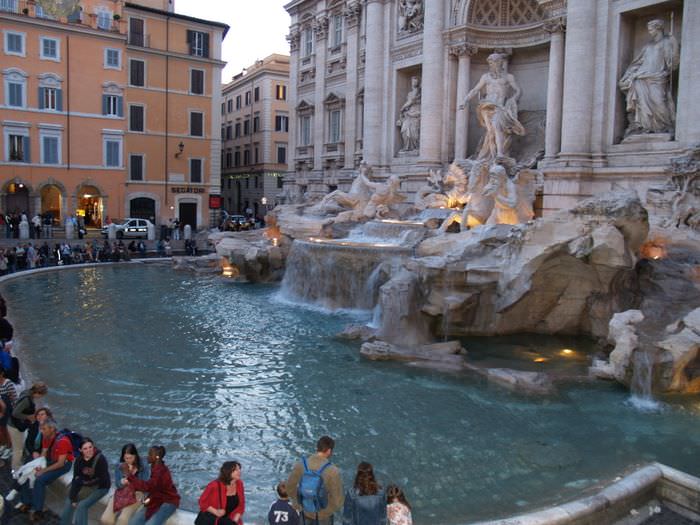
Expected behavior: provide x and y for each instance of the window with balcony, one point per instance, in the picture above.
(137, 35)
(9, 5)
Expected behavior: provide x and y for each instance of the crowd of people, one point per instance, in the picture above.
(144, 491)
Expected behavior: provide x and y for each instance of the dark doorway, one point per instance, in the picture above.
(17, 199)
(188, 214)
(142, 208)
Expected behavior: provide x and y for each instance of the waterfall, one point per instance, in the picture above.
(642, 380)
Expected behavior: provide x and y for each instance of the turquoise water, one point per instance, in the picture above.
(215, 371)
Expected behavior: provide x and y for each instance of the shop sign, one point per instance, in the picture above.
(186, 189)
(214, 202)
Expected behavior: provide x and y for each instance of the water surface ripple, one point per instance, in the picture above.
(216, 371)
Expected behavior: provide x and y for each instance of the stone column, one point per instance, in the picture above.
(320, 49)
(352, 13)
(374, 82)
(579, 73)
(688, 111)
(293, 38)
(555, 88)
(464, 52)
(432, 99)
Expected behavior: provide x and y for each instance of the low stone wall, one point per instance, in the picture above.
(676, 489)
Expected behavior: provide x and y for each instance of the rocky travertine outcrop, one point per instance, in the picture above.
(564, 274)
(255, 257)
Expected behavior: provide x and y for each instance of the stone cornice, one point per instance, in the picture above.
(490, 37)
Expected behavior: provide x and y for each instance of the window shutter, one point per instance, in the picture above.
(206, 45)
(40, 105)
(120, 106)
(105, 103)
(190, 39)
(59, 100)
(25, 147)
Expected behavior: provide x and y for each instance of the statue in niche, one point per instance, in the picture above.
(410, 15)
(647, 84)
(409, 118)
(497, 109)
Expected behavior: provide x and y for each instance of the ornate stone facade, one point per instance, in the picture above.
(574, 114)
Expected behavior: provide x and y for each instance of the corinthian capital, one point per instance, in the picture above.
(463, 48)
(294, 37)
(320, 27)
(353, 13)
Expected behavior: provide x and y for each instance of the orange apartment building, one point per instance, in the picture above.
(254, 134)
(109, 111)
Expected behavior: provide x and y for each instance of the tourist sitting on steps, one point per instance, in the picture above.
(365, 502)
(23, 416)
(126, 500)
(58, 451)
(223, 500)
(317, 503)
(163, 499)
(32, 443)
(90, 482)
(281, 512)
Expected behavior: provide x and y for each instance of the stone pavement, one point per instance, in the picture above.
(12, 516)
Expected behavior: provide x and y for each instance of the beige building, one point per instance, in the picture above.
(109, 111)
(254, 135)
(353, 65)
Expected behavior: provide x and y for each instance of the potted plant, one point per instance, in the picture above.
(25, 11)
(117, 17)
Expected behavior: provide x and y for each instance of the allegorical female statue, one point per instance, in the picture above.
(498, 108)
(647, 84)
(409, 118)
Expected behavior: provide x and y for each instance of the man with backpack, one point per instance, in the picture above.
(315, 485)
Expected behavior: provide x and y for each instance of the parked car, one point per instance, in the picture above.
(234, 223)
(130, 228)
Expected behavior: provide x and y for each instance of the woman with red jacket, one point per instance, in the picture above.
(223, 501)
(163, 499)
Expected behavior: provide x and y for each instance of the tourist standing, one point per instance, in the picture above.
(223, 500)
(163, 499)
(281, 512)
(22, 416)
(398, 509)
(58, 451)
(90, 482)
(315, 509)
(125, 500)
(365, 502)
(8, 396)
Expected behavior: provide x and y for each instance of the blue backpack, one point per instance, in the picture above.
(312, 493)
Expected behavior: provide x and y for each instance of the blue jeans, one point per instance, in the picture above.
(159, 518)
(81, 509)
(35, 498)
